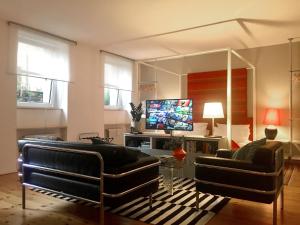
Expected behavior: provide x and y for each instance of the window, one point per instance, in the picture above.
(41, 61)
(33, 90)
(117, 82)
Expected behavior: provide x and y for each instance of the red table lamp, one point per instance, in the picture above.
(271, 119)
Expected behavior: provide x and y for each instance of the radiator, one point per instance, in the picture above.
(116, 134)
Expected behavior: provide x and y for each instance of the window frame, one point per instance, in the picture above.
(50, 88)
(117, 107)
(50, 104)
(112, 107)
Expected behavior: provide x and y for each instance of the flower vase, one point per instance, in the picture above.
(136, 125)
(179, 153)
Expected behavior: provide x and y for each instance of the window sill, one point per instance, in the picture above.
(39, 107)
(42, 127)
(107, 108)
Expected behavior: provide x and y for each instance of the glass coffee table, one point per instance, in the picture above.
(170, 165)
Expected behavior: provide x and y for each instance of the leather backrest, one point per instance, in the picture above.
(265, 154)
(113, 155)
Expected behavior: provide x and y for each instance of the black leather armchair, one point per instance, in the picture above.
(259, 180)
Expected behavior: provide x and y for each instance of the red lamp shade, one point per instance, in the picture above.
(271, 117)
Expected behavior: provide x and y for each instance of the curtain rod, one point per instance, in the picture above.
(39, 77)
(117, 55)
(41, 31)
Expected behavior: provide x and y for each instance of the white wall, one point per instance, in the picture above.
(272, 84)
(40, 118)
(8, 149)
(85, 102)
(120, 117)
(168, 85)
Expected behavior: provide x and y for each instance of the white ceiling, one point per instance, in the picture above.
(132, 27)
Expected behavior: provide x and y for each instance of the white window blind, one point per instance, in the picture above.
(41, 56)
(40, 63)
(118, 74)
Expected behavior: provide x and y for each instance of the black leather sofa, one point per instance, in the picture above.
(259, 180)
(105, 174)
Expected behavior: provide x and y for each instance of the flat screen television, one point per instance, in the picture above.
(169, 114)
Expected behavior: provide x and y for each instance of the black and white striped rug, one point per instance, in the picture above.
(167, 209)
(177, 209)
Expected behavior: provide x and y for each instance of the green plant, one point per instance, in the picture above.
(136, 112)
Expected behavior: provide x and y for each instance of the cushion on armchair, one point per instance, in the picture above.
(247, 152)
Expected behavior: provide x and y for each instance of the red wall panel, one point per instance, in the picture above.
(212, 86)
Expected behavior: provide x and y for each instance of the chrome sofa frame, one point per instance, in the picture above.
(279, 171)
(100, 179)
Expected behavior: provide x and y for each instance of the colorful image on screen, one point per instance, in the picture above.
(169, 114)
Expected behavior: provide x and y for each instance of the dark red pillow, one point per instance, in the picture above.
(234, 145)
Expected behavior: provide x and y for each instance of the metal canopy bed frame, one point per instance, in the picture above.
(294, 77)
(229, 52)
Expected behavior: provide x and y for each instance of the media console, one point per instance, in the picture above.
(153, 144)
(191, 143)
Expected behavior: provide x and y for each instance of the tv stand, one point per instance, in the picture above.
(136, 132)
(169, 132)
(155, 141)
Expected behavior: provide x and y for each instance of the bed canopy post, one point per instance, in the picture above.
(229, 97)
(254, 102)
(138, 78)
(155, 78)
(252, 67)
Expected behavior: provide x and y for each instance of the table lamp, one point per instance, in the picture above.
(213, 110)
(271, 119)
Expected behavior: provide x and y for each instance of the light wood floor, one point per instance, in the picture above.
(45, 210)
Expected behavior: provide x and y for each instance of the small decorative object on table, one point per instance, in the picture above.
(175, 144)
(136, 113)
(179, 153)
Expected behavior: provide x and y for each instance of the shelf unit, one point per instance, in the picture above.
(151, 141)
(294, 150)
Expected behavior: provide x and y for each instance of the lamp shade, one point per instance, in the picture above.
(271, 117)
(213, 110)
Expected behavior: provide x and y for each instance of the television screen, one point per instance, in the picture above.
(169, 114)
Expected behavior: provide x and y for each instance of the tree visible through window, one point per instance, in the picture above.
(40, 61)
(117, 81)
(33, 90)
